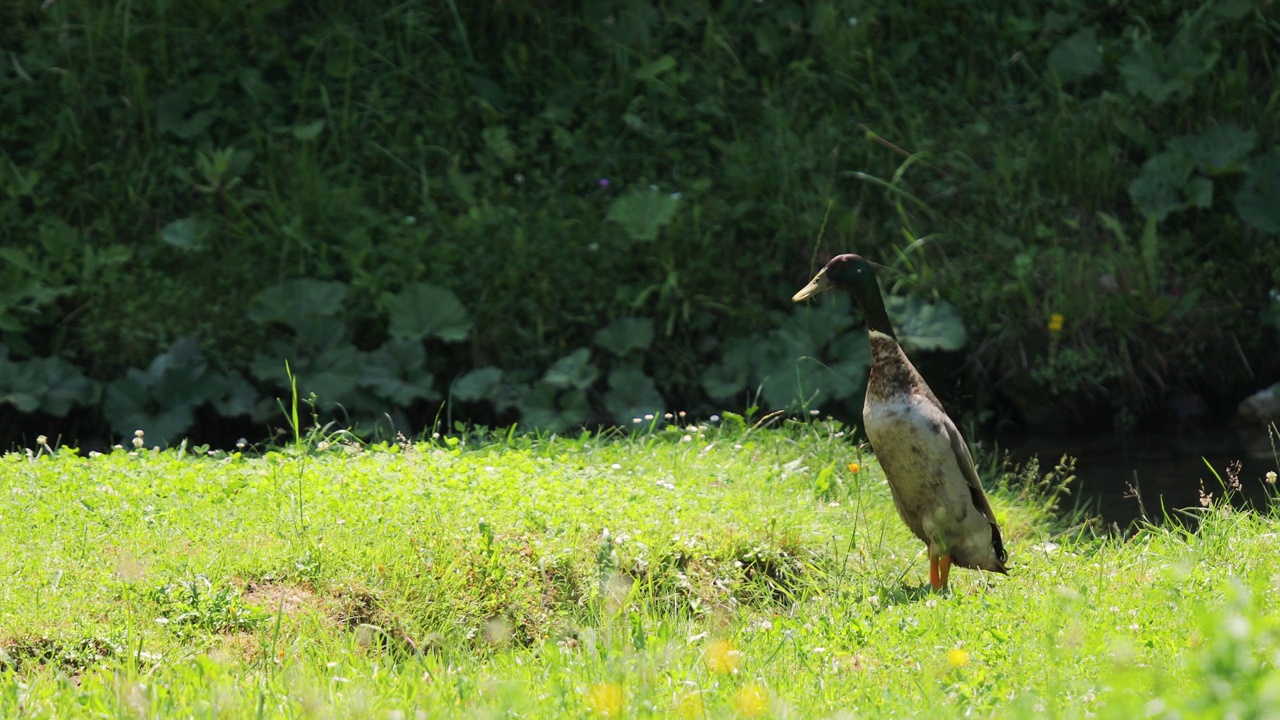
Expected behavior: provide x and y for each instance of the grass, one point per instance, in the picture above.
(698, 572)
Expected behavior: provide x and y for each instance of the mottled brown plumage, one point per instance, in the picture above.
(925, 459)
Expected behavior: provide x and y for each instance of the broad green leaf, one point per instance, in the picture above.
(1199, 192)
(1220, 149)
(479, 384)
(18, 258)
(422, 310)
(24, 401)
(178, 375)
(233, 396)
(293, 300)
(545, 406)
(643, 213)
(47, 385)
(574, 370)
(651, 70)
(129, 406)
(924, 325)
(787, 375)
(729, 376)
(826, 317)
(625, 334)
(1158, 189)
(1160, 73)
(397, 372)
(1258, 200)
(162, 399)
(1076, 57)
(632, 394)
(64, 386)
(188, 233)
(333, 374)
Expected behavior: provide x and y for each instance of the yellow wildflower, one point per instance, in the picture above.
(690, 706)
(751, 701)
(722, 657)
(854, 467)
(958, 657)
(1055, 323)
(605, 699)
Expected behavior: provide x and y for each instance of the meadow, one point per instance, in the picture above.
(713, 569)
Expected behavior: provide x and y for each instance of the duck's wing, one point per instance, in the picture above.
(965, 461)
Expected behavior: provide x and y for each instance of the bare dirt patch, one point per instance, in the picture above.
(280, 597)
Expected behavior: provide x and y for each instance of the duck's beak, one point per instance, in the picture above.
(815, 286)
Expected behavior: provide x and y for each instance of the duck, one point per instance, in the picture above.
(925, 459)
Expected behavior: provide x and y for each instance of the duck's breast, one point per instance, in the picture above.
(912, 444)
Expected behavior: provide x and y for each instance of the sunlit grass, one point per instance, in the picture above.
(728, 575)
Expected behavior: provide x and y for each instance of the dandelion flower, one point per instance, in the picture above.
(854, 467)
(1271, 477)
(605, 699)
(722, 657)
(957, 657)
(1055, 323)
(751, 701)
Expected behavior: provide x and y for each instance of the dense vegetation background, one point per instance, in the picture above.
(558, 213)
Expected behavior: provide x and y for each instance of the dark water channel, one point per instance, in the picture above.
(1168, 469)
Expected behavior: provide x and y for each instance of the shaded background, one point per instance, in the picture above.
(561, 213)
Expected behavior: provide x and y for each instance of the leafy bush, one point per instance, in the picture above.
(490, 186)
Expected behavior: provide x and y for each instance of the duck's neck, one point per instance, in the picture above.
(872, 304)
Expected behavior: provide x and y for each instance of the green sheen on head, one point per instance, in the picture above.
(853, 274)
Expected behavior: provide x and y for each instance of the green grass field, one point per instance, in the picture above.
(702, 571)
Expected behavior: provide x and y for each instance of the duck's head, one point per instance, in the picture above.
(847, 272)
(853, 274)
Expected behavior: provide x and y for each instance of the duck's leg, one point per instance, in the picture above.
(934, 580)
(944, 570)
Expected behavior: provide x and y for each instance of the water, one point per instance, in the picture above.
(1168, 469)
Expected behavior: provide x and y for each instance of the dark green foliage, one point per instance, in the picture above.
(397, 198)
